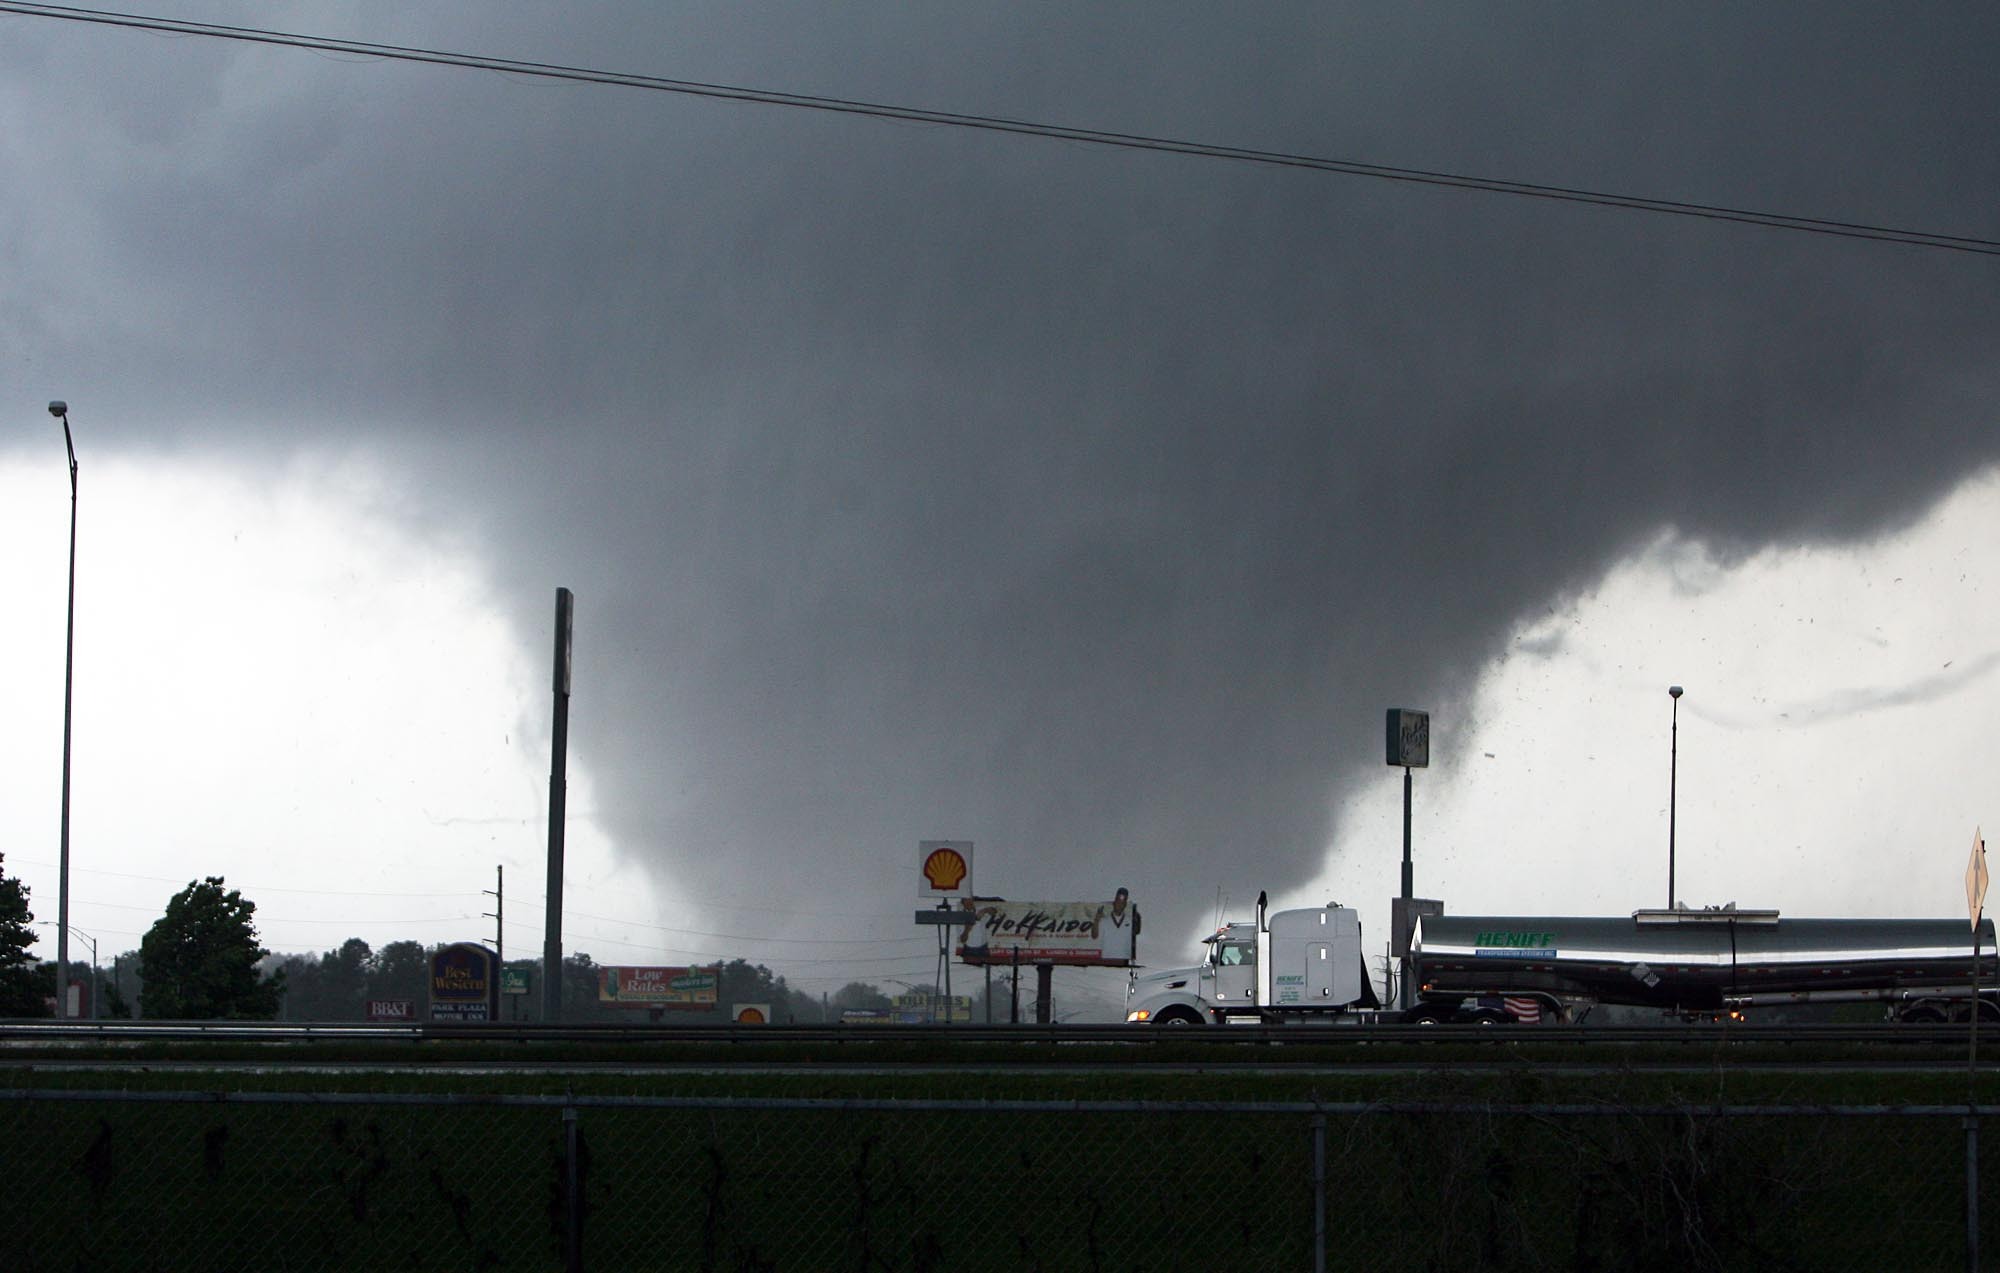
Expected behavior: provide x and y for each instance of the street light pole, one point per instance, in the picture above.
(1673, 782)
(95, 980)
(60, 410)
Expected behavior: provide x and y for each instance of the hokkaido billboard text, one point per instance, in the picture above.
(1086, 934)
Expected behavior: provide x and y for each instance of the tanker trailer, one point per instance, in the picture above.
(1696, 962)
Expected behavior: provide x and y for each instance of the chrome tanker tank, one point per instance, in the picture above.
(1698, 960)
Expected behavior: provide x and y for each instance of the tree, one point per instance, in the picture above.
(579, 991)
(329, 988)
(201, 959)
(859, 996)
(20, 996)
(301, 986)
(400, 970)
(114, 1005)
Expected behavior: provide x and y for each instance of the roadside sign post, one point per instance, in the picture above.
(1975, 900)
(1409, 745)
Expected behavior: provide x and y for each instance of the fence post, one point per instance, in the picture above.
(1319, 1192)
(1972, 1191)
(572, 1195)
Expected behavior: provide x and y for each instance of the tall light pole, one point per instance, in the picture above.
(60, 410)
(96, 983)
(552, 969)
(1673, 781)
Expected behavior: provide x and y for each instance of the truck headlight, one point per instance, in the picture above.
(1138, 1015)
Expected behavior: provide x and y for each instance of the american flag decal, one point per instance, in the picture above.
(1525, 1010)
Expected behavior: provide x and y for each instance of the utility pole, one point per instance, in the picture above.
(499, 913)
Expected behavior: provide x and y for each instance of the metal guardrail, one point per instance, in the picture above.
(1138, 1038)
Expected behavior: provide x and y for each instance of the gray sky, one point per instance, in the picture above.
(1090, 504)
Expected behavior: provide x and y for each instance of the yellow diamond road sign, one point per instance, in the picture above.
(1975, 878)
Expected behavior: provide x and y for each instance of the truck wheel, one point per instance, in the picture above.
(1177, 1016)
(1427, 1016)
(1923, 1016)
(1487, 1016)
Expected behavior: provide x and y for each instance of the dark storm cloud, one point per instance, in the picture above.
(1088, 504)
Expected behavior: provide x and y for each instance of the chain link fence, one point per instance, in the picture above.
(275, 1181)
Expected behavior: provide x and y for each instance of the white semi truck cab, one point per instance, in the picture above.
(1294, 965)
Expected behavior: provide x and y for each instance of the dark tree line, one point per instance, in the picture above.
(199, 961)
(337, 985)
(21, 993)
(202, 960)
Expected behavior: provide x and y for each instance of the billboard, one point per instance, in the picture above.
(866, 1016)
(923, 1009)
(694, 989)
(392, 1010)
(463, 987)
(1409, 738)
(1081, 934)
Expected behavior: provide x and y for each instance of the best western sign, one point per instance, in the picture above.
(463, 985)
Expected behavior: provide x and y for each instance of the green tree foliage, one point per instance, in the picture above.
(579, 992)
(337, 984)
(201, 959)
(113, 1005)
(859, 996)
(125, 983)
(400, 970)
(330, 988)
(745, 982)
(20, 995)
(301, 985)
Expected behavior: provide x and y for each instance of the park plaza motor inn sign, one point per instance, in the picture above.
(464, 986)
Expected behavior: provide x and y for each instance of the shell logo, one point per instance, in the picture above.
(944, 869)
(750, 1014)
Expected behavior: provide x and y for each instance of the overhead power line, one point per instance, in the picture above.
(1001, 124)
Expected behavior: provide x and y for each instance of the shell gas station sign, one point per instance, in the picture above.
(944, 868)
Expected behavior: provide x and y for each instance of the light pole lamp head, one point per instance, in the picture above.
(1673, 691)
(59, 409)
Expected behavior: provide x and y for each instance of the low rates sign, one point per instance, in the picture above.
(693, 988)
